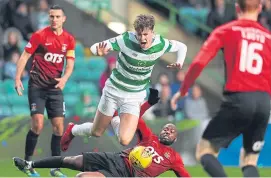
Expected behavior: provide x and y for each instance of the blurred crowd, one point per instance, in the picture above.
(210, 12)
(18, 20)
(193, 106)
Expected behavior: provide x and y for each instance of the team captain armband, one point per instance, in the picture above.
(70, 54)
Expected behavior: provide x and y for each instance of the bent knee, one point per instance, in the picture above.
(37, 127)
(96, 133)
(124, 141)
(204, 147)
(37, 123)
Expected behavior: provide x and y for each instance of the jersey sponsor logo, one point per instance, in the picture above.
(257, 146)
(48, 44)
(28, 45)
(141, 63)
(140, 69)
(54, 58)
(155, 156)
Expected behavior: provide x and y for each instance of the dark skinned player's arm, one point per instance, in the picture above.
(178, 167)
(143, 131)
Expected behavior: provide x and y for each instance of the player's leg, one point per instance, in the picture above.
(108, 164)
(253, 136)
(55, 107)
(101, 121)
(90, 174)
(127, 128)
(221, 130)
(129, 115)
(106, 108)
(36, 100)
(115, 121)
(71, 162)
(206, 154)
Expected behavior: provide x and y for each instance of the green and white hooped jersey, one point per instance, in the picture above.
(134, 65)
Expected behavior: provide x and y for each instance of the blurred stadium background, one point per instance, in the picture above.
(90, 21)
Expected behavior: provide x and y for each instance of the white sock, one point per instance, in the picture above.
(82, 129)
(115, 122)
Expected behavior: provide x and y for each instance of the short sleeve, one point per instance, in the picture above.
(72, 43)
(70, 50)
(33, 43)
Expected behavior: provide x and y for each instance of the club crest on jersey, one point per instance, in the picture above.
(64, 48)
(141, 63)
(167, 155)
(33, 107)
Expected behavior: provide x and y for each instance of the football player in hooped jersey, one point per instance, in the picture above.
(126, 88)
(50, 47)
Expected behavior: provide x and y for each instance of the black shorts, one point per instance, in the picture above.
(108, 164)
(240, 113)
(51, 99)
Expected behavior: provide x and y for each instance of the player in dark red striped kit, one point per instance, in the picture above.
(50, 47)
(246, 108)
(93, 164)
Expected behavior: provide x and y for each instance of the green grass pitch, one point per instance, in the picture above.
(7, 169)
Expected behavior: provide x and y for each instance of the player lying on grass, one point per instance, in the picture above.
(109, 164)
(126, 88)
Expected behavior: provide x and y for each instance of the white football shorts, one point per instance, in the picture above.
(114, 98)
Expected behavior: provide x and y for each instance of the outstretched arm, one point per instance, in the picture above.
(181, 50)
(143, 131)
(207, 52)
(178, 167)
(102, 48)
